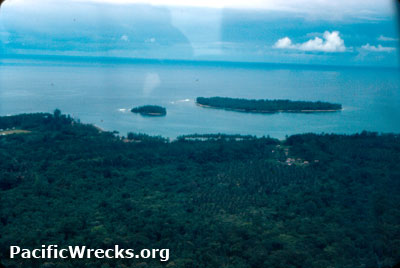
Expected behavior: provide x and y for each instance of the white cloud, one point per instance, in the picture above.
(125, 38)
(288, 5)
(378, 48)
(331, 42)
(284, 43)
(326, 9)
(385, 38)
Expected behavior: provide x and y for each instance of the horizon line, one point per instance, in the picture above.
(131, 60)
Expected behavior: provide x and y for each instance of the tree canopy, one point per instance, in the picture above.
(214, 200)
(267, 106)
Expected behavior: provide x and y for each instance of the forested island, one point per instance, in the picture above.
(311, 200)
(150, 110)
(267, 106)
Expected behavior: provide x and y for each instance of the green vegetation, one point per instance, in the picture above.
(213, 200)
(151, 110)
(267, 106)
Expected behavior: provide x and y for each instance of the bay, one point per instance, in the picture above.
(102, 92)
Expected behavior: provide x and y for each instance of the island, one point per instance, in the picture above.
(267, 106)
(150, 110)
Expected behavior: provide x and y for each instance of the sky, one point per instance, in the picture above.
(342, 32)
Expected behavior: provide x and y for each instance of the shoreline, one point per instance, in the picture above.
(149, 114)
(267, 112)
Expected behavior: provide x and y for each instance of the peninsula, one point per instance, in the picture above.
(150, 110)
(267, 106)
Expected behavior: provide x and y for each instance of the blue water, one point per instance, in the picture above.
(103, 92)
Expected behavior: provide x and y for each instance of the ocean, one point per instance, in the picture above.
(102, 91)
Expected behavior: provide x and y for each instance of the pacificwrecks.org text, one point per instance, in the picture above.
(82, 252)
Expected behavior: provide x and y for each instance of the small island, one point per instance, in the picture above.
(267, 106)
(150, 110)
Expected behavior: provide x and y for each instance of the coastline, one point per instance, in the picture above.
(149, 114)
(97, 127)
(268, 112)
